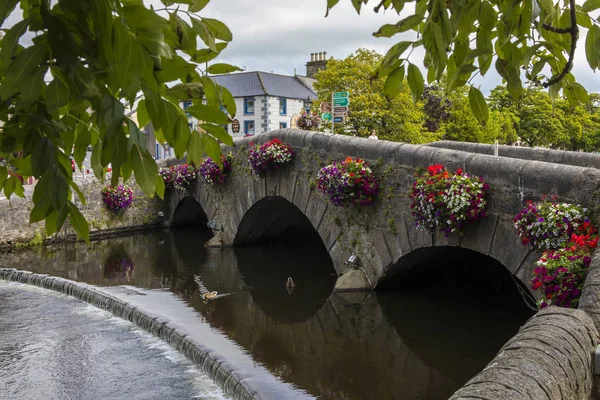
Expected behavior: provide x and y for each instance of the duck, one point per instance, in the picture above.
(290, 285)
(210, 295)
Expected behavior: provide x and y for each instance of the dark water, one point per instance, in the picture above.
(422, 341)
(56, 347)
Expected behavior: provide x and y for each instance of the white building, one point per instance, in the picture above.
(265, 101)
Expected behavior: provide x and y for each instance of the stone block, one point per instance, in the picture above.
(478, 236)
(368, 149)
(404, 155)
(552, 179)
(451, 159)
(440, 239)
(319, 142)
(484, 148)
(302, 193)
(336, 146)
(328, 229)
(296, 138)
(352, 280)
(387, 150)
(287, 184)
(506, 245)
(423, 155)
(417, 237)
(315, 210)
(272, 182)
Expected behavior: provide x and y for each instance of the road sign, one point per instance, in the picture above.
(341, 102)
(338, 119)
(340, 95)
(339, 114)
(325, 107)
(326, 116)
(340, 109)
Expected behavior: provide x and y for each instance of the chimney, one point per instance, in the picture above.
(318, 61)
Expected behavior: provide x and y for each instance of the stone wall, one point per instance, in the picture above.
(550, 358)
(577, 158)
(15, 231)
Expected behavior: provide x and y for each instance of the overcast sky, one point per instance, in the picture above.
(279, 35)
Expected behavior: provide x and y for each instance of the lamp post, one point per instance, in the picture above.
(307, 105)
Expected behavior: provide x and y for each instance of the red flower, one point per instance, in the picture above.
(459, 171)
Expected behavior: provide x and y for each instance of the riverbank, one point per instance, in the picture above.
(16, 231)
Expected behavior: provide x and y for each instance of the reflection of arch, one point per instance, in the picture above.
(266, 270)
(423, 265)
(119, 266)
(275, 218)
(468, 296)
(189, 213)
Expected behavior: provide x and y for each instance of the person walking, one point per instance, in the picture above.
(373, 135)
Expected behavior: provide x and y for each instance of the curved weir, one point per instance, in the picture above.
(239, 385)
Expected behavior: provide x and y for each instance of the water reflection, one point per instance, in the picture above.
(417, 345)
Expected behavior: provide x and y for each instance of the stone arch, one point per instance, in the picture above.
(188, 213)
(430, 264)
(273, 218)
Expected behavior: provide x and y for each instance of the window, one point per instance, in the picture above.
(282, 125)
(248, 127)
(282, 107)
(185, 104)
(249, 106)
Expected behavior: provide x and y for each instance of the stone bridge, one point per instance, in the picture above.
(383, 235)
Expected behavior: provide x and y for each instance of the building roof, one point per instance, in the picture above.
(257, 83)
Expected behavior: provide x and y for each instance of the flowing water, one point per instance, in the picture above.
(55, 347)
(417, 342)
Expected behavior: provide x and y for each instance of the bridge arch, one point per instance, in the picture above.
(188, 213)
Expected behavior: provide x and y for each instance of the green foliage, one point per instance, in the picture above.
(67, 88)
(398, 119)
(463, 38)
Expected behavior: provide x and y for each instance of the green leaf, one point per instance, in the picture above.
(592, 47)
(228, 101)
(135, 135)
(32, 87)
(390, 61)
(206, 55)
(41, 198)
(330, 5)
(478, 105)
(21, 69)
(57, 94)
(198, 5)
(174, 69)
(185, 33)
(96, 161)
(433, 42)
(82, 141)
(590, 5)
(208, 114)
(142, 114)
(195, 148)
(218, 29)
(127, 58)
(222, 68)
(404, 25)
(207, 36)
(3, 176)
(160, 187)
(185, 91)
(393, 83)
(576, 94)
(10, 40)
(43, 157)
(139, 17)
(218, 132)
(78, 223)
(56, 220)
(19, 189)
(511, 75)
(145, 169)
(211, 147)
(9, 186)
(154, 41)
(6, 7)
(415, 82)
(181, 134)
(78, 191)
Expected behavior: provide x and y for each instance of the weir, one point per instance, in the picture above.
(230, 381)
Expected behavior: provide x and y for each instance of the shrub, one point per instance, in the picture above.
(548, 225)
(270, 155)
(178, 177)
(447, 201)
(560, 274)
(117, 199)
(212, 174)
(349, 181)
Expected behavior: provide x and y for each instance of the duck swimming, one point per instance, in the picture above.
(290, 285)
(209, 295)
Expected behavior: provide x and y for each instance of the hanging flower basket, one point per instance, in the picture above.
(560, 274)
(212, 174)
(117, 199)
(269, 156)
(348, 182)
(308, 120)
(547, 225)
(447, 201)
(178, 177)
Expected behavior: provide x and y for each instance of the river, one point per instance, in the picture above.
(420, 342)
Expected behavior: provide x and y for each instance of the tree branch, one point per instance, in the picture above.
(573, 30)
(378, 6)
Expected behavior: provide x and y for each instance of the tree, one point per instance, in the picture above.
(67, 88)
(395, 119)
(463, 38)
